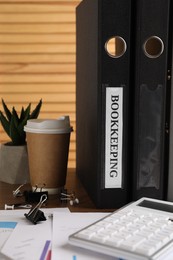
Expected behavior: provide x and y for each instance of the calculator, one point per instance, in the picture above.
(140, 230)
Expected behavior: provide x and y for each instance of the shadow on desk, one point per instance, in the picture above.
(72, 185)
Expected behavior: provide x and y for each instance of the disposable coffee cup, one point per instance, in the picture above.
(48, 148)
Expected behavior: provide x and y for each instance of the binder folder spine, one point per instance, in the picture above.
(102, 99)
(169, 124)
(151, 88)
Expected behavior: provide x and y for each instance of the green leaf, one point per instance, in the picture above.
(5, 123)
(36, 111)
(22, 115)
(6, 110)
(14, 134)
(15, 117)
(26, 117)
(27, 110)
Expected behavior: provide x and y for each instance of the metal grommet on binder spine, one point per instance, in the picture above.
(153, 47)
(115, 47)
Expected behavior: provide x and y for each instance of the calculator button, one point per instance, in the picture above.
(100, 224)
(100, 238)
(146, 221)
(113, 241)
(111, 220)
(85, 234)
(151, 229)
(145, 249)
(155, 242)
(146, 233)
(155, 227)
(138, 214)
(138, 226)
(132, 219)
(123, 235)
(168, 232)
(117, 227)
(132, 230)
(162, 223)
(162, 238)
(165, 234)
(93, 228)
(111, 231)
(128, 245)
(136, 240)
(106, 224)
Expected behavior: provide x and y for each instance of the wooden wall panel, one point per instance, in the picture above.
(37, 58)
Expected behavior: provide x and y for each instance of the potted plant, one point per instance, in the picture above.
(13, 154)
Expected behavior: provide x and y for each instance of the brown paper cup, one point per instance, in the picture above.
(48, 158)
(48, 147)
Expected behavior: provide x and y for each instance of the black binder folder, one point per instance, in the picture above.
(170, 108)
(102, 99)
(151, 103)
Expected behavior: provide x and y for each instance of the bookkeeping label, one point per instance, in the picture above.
(113, 137)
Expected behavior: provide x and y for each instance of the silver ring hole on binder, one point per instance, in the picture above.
(115, 47)
(153, 47)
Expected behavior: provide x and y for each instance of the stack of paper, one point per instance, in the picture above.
(47, 240)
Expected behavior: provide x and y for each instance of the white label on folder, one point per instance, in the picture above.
(113, 137)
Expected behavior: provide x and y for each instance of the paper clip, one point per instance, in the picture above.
(17, 192)
(69, 197)
(35, 214)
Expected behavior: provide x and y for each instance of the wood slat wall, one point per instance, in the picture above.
(37, 58)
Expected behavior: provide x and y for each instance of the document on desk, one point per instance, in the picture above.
(6, 228)
(28, 241)
(8, 221)
(66, 224)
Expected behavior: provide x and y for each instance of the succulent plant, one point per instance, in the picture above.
(14, 124)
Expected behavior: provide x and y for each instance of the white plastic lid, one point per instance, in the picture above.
(49, 126)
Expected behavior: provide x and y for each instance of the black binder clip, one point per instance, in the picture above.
(35, 214)
(64, 197)
(34, 196)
